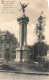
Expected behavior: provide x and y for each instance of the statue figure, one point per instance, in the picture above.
(23, 6)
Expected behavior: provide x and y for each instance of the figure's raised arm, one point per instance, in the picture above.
(21, 3)
(26, 5)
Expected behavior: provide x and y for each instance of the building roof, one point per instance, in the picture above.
(8, 37)
(3, 32)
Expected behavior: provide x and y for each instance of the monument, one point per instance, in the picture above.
(22, 53)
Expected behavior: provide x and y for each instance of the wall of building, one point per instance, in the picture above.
(8, 43)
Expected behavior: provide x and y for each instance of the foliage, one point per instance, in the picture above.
(40, 48)
(40, 27)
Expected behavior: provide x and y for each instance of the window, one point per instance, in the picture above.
(3, 37)
(13, 56)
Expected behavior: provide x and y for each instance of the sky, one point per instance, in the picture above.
(8, 21)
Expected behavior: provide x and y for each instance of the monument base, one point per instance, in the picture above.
(22, 55)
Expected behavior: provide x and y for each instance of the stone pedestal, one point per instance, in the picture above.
(22, 55)
(22, 52)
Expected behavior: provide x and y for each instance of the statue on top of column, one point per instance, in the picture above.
(23, 6)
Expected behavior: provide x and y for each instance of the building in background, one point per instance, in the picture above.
(8, 44)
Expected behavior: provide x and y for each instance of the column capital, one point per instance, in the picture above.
(23, 19)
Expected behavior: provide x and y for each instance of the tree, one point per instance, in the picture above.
(43, 47)
(40, 48)
(40, 28)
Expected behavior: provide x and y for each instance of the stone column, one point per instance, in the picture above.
(22, 51)
(23, 21)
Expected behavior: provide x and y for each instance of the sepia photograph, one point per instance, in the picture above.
(24, 39)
